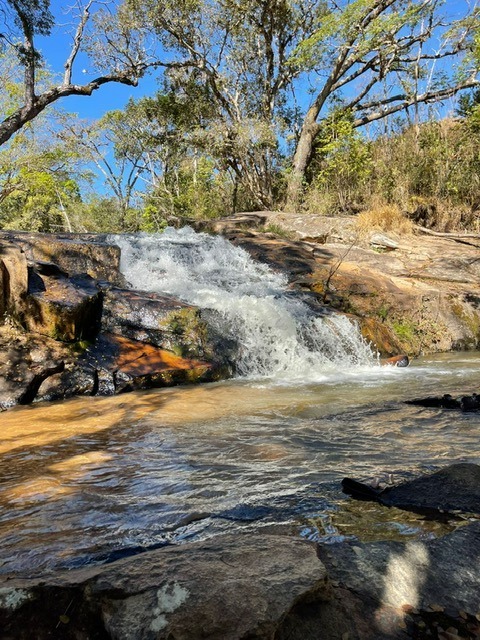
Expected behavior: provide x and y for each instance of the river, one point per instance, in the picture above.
(85, 478)
(89, 479)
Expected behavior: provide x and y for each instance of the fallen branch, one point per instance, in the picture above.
(439, 234)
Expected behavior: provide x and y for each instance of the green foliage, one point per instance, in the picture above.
(433, 167)
(38, 201)
(342, 163)
(194, 190)
(278, 230)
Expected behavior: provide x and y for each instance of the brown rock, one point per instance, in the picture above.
(66, 309)
(73, 253)
(13, 279)
(136, 365)
(158, 320)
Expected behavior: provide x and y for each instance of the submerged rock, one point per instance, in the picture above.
(396, 361)
(455, 488)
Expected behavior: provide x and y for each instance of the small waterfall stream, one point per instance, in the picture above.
(278, 335)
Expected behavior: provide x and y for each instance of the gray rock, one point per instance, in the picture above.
(455, 488)
(383, 242)
(231, 587)
(392, 590)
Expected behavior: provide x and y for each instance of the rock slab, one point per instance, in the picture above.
(233, 587)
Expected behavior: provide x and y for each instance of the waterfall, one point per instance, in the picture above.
(278, 335)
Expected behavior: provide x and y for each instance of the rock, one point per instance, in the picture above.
(40, 373)
(124, 365)
(381, 241)
(452, 489)
(13, 280)
(396, 361)
(293, 258)
(234, 587)
(26, 364)
(159, 320)
(394, 590)
(465, 403)
(67, 309)
(73, 253)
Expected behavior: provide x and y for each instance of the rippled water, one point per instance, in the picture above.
(85, 478)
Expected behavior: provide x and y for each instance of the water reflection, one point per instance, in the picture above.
(84, 477)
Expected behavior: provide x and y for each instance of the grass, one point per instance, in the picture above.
(383, 217)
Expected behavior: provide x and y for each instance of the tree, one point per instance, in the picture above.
(39, 187)
(379, 59)
(240, 52)
(375, 58)
(113, 44)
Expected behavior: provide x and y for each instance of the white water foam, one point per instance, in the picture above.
(279, 336)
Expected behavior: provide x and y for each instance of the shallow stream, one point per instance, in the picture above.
(86, 478)
(90, 479)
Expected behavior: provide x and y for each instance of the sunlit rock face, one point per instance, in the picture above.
(232, 587)
(13, 279)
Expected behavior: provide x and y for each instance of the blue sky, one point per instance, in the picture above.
(55, 49)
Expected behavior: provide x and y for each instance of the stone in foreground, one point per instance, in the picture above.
(232, 587)
(420, 589)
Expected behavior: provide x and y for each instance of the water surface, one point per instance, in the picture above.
(83, 478)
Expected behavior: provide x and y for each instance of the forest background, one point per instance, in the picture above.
(366, 107)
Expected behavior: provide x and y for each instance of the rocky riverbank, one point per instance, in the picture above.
(71, 327)
(410, 294)
(69, 324)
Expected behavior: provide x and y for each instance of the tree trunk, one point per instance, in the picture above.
(301, 160)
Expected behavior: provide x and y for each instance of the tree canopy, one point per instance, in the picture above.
(249, 86)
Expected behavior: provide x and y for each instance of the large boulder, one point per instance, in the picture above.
(386, 590)
(233, 587)
(27, 362)
(454, 488)
(115, 364)
(13, 280)
(162, 321)
(67, 309)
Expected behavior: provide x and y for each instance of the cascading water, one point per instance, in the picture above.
(277, 334)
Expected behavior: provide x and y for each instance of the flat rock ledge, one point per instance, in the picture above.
(249, 587)
(233, 587)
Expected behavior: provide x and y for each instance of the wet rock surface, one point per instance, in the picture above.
(455, 488)
(417, 295)
(463, 403)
